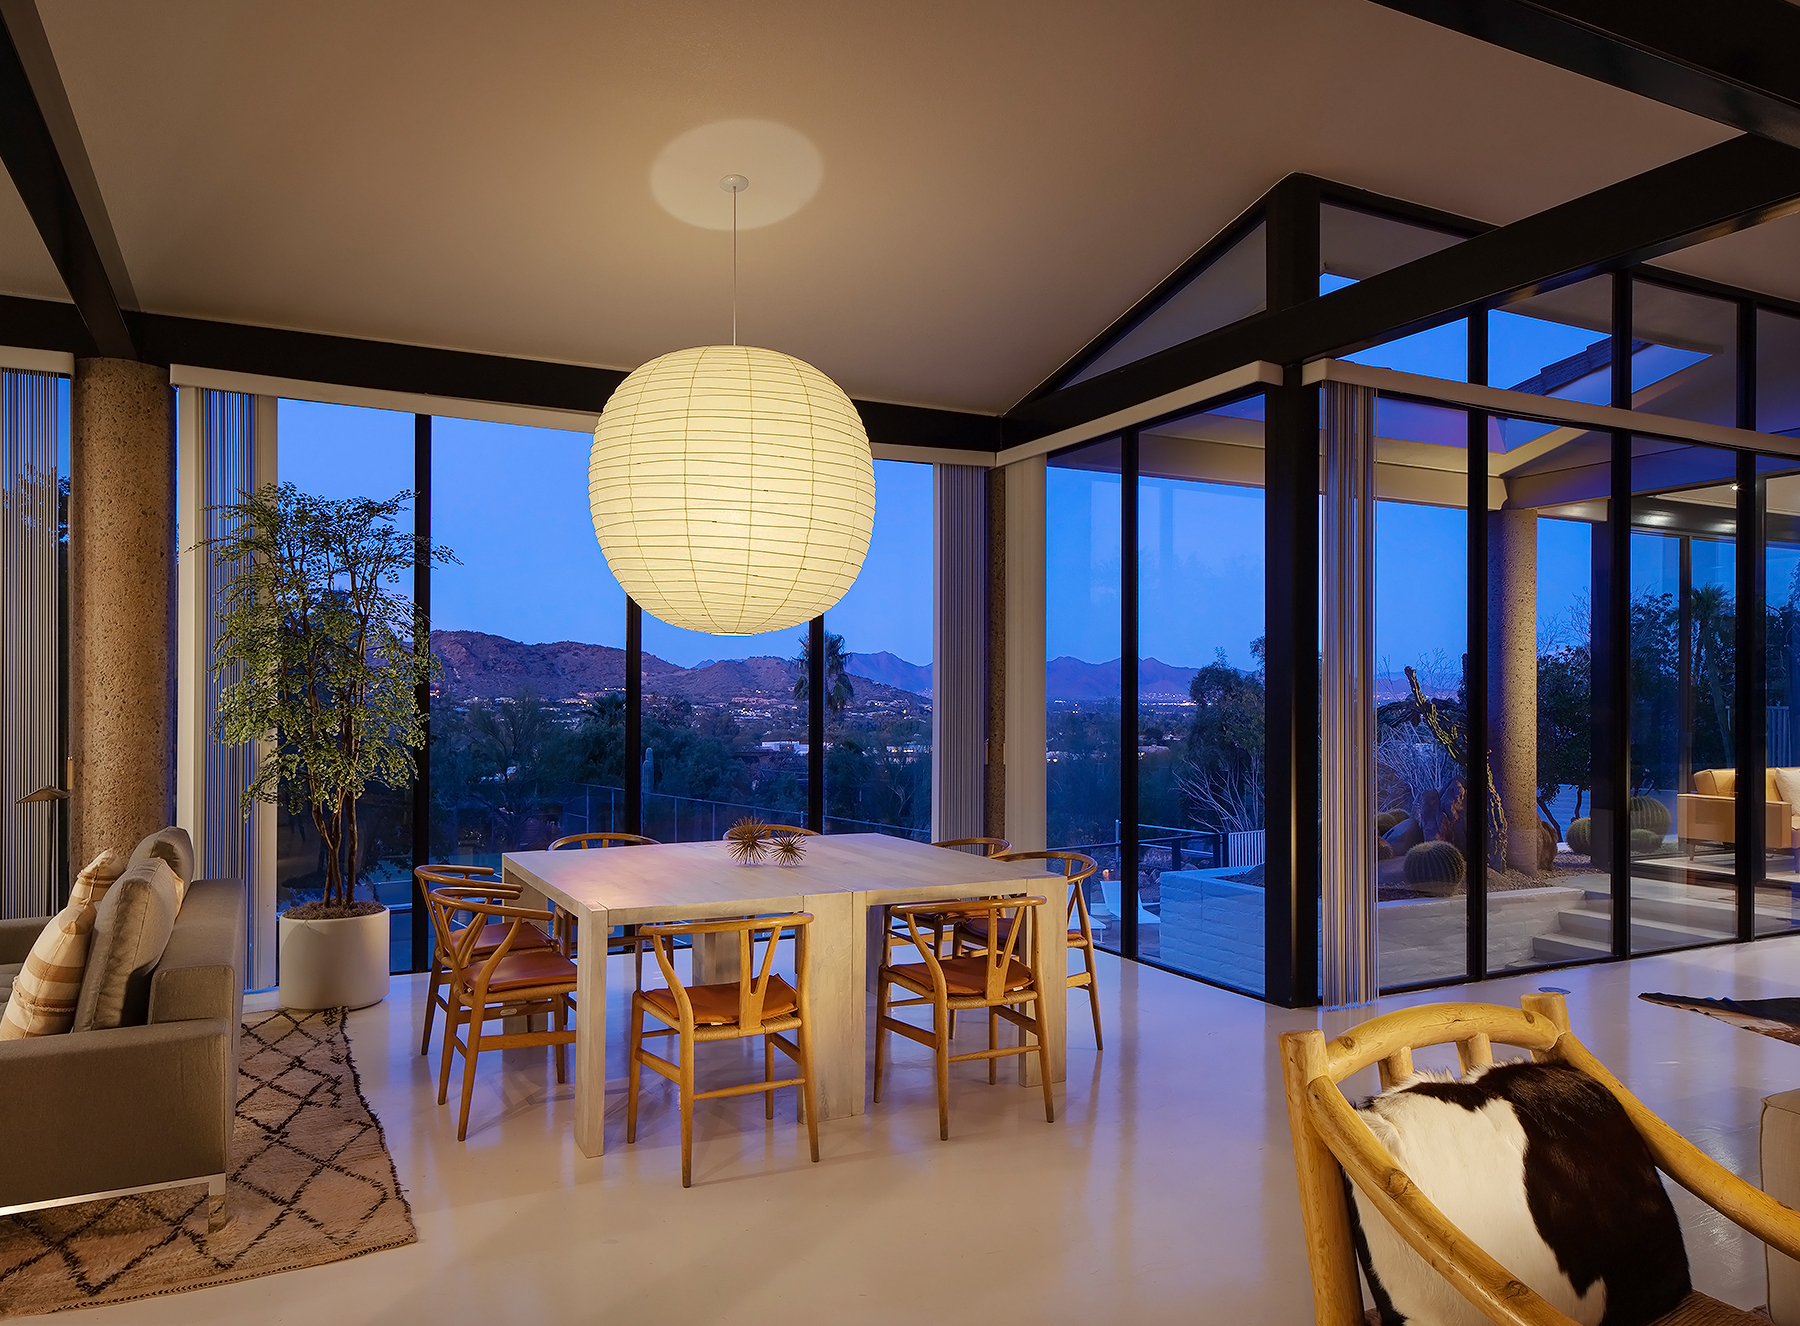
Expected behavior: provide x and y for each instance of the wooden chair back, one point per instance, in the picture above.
(463, 883)
(458, 942)
(597, 840)
(791, 830)
(753, 981)
(1075, 868)
(990, 846)
(1331, 1141)
(998, 957)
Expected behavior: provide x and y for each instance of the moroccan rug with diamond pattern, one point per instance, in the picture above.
(311, 1182)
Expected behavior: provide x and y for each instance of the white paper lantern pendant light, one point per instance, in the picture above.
(732, 488)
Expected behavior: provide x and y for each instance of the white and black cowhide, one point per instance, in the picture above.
(1539, 1165)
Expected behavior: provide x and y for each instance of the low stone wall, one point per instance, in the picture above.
(1213, 927)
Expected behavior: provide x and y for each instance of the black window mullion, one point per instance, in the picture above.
(420, 955)
(1129, 829)
(1475, 669)
(1612, 696)
(1751, 692)
(815, 724)
(634, 717)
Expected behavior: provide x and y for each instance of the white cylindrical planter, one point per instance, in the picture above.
(341, 963)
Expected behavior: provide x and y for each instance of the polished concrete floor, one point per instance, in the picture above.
(1163, 1193)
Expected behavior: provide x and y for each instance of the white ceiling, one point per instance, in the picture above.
(1000, 179)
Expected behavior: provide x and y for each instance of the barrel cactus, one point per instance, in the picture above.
(1649, 813)
(1581, 836)
(1388, 819)
(1436, 864)
(1645, 841)
(1382, 851)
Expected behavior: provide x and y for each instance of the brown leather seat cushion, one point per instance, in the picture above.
(520, 970)
(495, 931)
(965, 976)
(717, 1005)
(977, 929)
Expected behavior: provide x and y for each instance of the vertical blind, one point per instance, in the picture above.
(30, 691)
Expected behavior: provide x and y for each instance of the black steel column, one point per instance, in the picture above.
(1129, 828)
(1291, 623)
(421, 590)
(815, 724)
(1752, 692)
(1475, 670)
(1611, 693)
(634, 717)
(1291, 697)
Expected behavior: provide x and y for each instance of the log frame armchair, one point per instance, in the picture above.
(1331, 1141)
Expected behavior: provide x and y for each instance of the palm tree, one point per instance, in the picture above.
(838, 692)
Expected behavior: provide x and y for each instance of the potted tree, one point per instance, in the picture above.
(320, 654)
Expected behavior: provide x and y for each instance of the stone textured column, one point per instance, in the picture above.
(1512, 679)
(122, 604)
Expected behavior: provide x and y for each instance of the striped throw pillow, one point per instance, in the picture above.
(97, 876)
(45, 990)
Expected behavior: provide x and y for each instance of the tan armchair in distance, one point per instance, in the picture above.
(1328, 1134)
(1708, 814)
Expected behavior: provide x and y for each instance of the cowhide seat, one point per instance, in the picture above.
(1522, 1193)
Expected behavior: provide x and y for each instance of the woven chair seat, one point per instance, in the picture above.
(963, 977)
(1699, 1310)
(1694, 1310)
(524, 970)
(717, 1005)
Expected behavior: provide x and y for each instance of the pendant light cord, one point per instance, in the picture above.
(734, 267)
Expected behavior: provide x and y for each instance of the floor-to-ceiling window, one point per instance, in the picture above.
(341, 451)
(1083, 672)
(1200, 693)
(878, 670)
(1683, 648)
(528, 626)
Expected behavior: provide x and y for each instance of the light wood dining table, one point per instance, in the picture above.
(843, 881)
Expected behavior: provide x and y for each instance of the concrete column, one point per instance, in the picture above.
(1512, 679)
(122, 604)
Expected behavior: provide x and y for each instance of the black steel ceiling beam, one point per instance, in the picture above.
(1732, 61)
(29, 151)
(1732, 186)
(424, 370)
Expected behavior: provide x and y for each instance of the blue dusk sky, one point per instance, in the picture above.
(512, 504)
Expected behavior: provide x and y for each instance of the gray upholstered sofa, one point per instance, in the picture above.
(92, 1113)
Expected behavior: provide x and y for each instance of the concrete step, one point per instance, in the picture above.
(1685, 905)
(1560, 947)
(1646, 933)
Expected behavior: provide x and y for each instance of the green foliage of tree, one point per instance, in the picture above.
(316, 655)
(1222, 774)
(839, 691)
(1565, 726)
